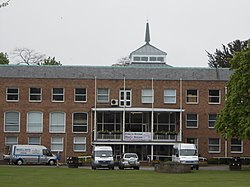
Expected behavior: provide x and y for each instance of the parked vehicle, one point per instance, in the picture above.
(129, 160)
(33, 154)
(102, 157)
(186, 154)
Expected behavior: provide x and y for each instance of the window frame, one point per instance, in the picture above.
(57, 143)
(236, 145)
(80, 95)
(50, 122)
(190, 120)
(84, 143)
(145, 96)
(166, 96)
(190, 96)
(79, 125)
(211, 120)
(39, 142)
(210, 97)
(41, 127)
(214, 145)
(12, 94)
(103, 95)
(35, 94)
(125, 92)
(18, 123)
(53, 95)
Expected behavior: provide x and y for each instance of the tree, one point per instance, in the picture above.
(51, 61)
(222, 57)
(4, 4)
(4, 58)
(234, 119)
(124, 61)
(27, 56)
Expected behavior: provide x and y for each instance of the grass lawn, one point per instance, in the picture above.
(36, 176)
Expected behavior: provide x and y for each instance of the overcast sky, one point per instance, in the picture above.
(99, 32)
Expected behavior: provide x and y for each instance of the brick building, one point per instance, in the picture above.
(144, 107)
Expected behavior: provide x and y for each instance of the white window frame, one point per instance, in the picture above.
(147, 96)
(212, 96)
(236, 145)
(12, 94)
(80, 95)
(59, 142)
(106, 95)
(58, 125)
(35, 123)
(38, 137)
(125, 102)
(189, 96)
(35, 94)
(10, 143)
(214, 145)
(77, 143)
(57, 94)
(190, 120)
(17, 124)
(80, 125)
(211, 121)
(170, 94)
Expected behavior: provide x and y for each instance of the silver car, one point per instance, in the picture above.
(129, 160)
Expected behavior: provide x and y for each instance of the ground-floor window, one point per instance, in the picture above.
(34, 140)
(79, 144)
(236, 146)
(57, 143)
(214, 145)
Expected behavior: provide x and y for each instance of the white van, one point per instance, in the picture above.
(102, 157)
(186, 154)
(34, 154)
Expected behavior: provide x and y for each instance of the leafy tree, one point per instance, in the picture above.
(4, 58)
(4, 4)
(234, 119)
(124, 61)
(51, 61)
(222, 57)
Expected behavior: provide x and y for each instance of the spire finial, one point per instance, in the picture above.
(147, 35)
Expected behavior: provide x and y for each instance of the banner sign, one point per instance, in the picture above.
(137, 136)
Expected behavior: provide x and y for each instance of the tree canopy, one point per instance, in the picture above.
(234, 119)
(221, 58)
(51, 61)
(4, 58)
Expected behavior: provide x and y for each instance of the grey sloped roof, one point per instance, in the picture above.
(148, 49)
(113, 72)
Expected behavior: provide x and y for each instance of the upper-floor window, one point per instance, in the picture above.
(147, 96)
(12, 94)
(103, 95)
(80, 120)
(169, 96)
(35, 94)
(57, 143)
(34, 140)
(214, 96)
(192, 96)
(191, 120)
(214, 145)
(236, 145)
(211, 120)
(57, 94)
(12, 121)
(80, 94)
(35, 122)
(125, 98)
(79, 144)
(57, 122)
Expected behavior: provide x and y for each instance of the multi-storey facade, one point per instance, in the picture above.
(145, 107)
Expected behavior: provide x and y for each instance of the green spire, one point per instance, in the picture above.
(147, 35)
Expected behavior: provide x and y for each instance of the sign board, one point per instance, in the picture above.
(137, 136)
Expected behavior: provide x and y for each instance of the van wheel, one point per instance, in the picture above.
(51, 162)
(19, 162)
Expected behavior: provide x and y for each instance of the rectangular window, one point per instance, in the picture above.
(192, 121)
(35, 95)
(57, 94)
(161, 59)
(36, 140)
(214, 145)
(35, 122)
(211, 120)
(79, 144)
(192, 96)
(12, 122)
(80, 95)
(57, 143)
(147, 96)
(214, 97)
(11, 140)
(125, 98)
(80, 122)
(57, 122)
(103, 95)
(137, 58)
(144, 58)
(12, 94)
(236, 146)
(152, 59)
(193, 141)
(169, 96)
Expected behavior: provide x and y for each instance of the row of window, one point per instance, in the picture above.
(57, 142)
(103, 95)
(214, 145)
(192, 120)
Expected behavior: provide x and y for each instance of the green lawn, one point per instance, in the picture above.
(36, 176)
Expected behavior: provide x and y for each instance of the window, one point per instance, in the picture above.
(169, 96)
(161, 59)
(214, 97)
(80, 122)
(79, 144)
(191, 120)
(192, 96)
(58, 94)
(35, 122)
(57, 122)
(147, 96)
(11, 140)
(35, 94)
(214, 145)
(193, 141)
(36, 140)
(103, 95)
(57, 143)
(12, 122)
(12, 94)
(236, 146)
(137, 58)
(144, 58)
(211, 120)
(152, 59)
(80, 95)
(125, 98)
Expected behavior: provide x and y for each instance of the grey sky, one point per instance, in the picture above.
(99, 32)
